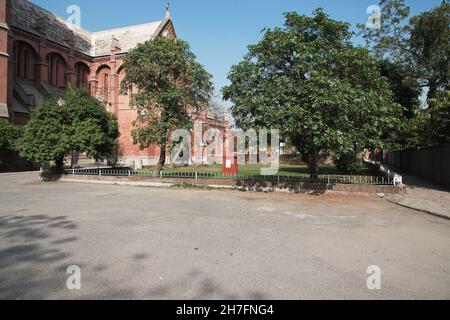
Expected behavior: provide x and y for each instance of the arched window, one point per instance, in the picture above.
(82, 71)
(25, 61)
(56, 70)
(103, 81)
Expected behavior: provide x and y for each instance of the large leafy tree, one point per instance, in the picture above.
(420, 44)
(75, 121)
(309, 81)
(168, 83)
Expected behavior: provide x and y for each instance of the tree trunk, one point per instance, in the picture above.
(59, 164)
(161, 162)
(311, 161)
(432, 88)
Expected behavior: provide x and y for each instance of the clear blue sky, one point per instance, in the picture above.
(218, 30)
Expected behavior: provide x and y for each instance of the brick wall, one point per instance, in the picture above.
(4, 59)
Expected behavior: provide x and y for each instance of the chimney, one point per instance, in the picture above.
(115, 45)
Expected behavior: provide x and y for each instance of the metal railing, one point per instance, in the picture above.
(328, 179)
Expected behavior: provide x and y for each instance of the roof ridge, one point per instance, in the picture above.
(127, 27)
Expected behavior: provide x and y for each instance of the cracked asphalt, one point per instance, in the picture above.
(148, 243)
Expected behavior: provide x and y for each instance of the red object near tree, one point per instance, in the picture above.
(230, 166)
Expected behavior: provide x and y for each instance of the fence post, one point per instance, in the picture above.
(129, 173)
(196, 176)
(160, 175)
(100, 172)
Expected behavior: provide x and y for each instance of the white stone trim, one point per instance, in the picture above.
(4, 113)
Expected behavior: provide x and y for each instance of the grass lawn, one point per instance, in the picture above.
(250, 170)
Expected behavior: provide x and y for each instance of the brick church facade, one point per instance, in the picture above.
(42, 54)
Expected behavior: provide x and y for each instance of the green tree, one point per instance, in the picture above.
(406, 93)
(406, 90)
(431, 126)
(421, 44)
(168, 83)
(9, 134)
(309, 81)
(75, 121)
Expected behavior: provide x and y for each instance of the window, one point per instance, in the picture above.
(82, 71)
(56, 70)
(25, 61)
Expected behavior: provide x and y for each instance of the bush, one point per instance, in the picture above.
(349, 164)
(9, 134)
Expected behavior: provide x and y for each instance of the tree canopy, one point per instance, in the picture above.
(75, 121)
(167, 83)
(309, 81)
(420, 44)
(418, 47)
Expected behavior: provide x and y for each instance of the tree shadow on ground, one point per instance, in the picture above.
(199, 286)
(28, 251)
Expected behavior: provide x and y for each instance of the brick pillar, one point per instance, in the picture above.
(114, 93)
(71, 75)
(93, 83)
(42, 65)
(4, 58)
(114, 82)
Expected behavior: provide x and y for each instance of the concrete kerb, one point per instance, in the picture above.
(20, 173)
(416, 208)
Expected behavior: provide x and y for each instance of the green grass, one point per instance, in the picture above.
(254, 170)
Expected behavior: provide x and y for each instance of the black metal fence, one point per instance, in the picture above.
(329, 179)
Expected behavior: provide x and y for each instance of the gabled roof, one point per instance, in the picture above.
(25, 16)
(128, 37)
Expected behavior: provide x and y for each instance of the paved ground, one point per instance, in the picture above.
(423, 195)
(145, 243)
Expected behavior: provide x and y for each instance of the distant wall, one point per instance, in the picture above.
(431, 163)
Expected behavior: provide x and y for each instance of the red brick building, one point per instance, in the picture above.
(41, 53)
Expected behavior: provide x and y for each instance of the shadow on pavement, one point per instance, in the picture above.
(28, 250)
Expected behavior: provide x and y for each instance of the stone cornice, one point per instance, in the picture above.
(4, 25)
